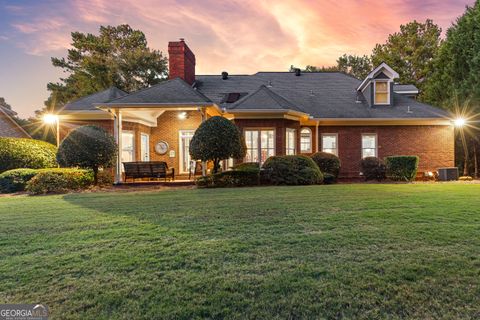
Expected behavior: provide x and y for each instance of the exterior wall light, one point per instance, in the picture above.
(182, 115)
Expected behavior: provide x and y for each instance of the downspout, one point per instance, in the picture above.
(316, 136)
(117, 131)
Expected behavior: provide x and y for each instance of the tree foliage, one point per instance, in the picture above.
(411, 51)
(117, 56)
(357, 66)
(215, 140)
(88, 147)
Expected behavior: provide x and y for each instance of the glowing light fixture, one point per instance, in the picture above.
(50, 118)
(182, 115)
(459, 122)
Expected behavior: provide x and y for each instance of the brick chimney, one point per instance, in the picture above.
(181, 61)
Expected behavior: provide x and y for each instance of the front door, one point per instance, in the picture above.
(145, 147)
(185, 136)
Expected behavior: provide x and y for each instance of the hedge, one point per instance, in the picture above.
(373, 168)
(16, 179)
(229, 179)
(401, 168)
(26, 153)
(291, 170)
(247, 166)
(60, 181)
(327, 162)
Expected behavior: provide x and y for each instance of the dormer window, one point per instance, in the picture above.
(382, 92)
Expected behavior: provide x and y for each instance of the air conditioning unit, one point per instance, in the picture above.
(448, 174)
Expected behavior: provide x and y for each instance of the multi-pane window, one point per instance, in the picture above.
(260, 145)
(381, 92)
(369, 145)
(306, 140)
(290, 142)
(329, 143)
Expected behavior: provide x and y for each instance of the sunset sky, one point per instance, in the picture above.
(237, 36)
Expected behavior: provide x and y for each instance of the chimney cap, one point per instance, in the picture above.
(182, 39)
(224, 75)
(297, 71)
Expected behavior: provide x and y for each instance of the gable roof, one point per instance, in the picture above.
(88, 102)
(263, 99)
(175, 91)
(382, 68)
(9, 127)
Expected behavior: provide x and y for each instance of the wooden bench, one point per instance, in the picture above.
(148, 169)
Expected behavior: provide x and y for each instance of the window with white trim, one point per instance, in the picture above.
(290, 141)
(329, 143)
(369, 145)
(306, 140)
(260, 145)
(382, 92)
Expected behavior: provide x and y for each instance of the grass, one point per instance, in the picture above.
(341, 251)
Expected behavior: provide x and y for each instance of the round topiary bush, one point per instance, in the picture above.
(89, 147)
(373, 168)
(215, 140)
(327, 162)
(291, 170)
(26, 153)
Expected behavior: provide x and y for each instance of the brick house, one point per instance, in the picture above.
(9, 127)
(278, 112)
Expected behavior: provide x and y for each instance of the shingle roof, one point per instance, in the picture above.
(320, 94)
(174, 91)
(265, 99)
(87, 102)
(404, 87)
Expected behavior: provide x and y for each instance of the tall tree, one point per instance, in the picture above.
(117, 56)
(411, 51)
(357, 66)
(455, 83)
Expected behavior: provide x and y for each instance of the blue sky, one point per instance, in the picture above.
(238, 36)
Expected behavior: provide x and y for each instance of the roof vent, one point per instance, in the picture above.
(232, 97)
(409, 110)
(311, 93)
(298, 72)
(224, 75)
(269, 85)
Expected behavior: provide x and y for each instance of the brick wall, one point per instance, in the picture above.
(433, 144)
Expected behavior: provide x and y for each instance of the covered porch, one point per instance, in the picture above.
(156, 134)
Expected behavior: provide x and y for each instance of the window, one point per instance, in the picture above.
(260, 145)
(369, 145)
(329, 143)
(306, 140)
(382, 92)
(290, 142)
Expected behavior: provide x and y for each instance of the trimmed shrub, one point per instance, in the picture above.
(16, 179)
(59, 181)
(229, 179)
(373, 168)
(327, 163)
(26, 153)
(402, 168)
(291, 170)
(247, 166)
(217, 139)
(329, 178)
(89, 147)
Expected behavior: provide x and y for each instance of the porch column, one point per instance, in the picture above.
(317, 138)
(204, 164)
(117, 131)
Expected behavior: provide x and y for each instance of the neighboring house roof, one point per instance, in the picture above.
(87, 102)
(174, 91)
(263, 99)
(405, 88)
(9, 127)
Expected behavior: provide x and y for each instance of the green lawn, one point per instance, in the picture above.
(341, 251)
